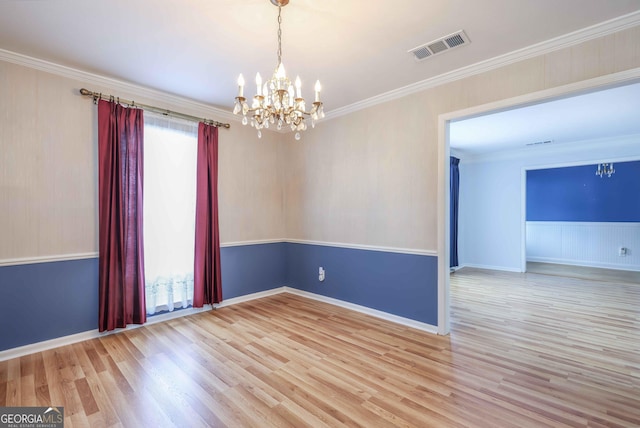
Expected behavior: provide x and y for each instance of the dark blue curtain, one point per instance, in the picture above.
(455, 196)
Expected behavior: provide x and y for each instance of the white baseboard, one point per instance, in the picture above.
(94, 334)
(365, 310)
(489, 267)
(252, 296)
(47, 344)
(583, 263)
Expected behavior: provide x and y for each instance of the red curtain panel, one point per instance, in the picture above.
(207, 278)
(120, 190)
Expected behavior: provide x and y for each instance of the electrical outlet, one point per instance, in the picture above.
(623, 251)
(320, 274)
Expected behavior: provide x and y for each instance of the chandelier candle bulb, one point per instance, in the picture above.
(298, 87)
(291, 96)
(240, 86)
(318, 88)
(259, 84)
(280, 75)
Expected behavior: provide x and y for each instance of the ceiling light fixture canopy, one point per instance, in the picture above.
(277, 101)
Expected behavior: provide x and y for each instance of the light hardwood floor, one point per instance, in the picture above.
(526, 350)
(584, 272)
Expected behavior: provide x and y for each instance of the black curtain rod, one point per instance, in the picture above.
(99, 96)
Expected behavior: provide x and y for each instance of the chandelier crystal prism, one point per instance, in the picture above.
(278, 102)
(605, 169)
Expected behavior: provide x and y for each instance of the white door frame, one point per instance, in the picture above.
(621, 78)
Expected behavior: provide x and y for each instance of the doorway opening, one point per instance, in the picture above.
(445, 150)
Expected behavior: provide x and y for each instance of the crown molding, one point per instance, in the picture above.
(570, 39)
(599, 30)
(130, 89)
(613, 145)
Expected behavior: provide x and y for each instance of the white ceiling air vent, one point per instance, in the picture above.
(440, 45)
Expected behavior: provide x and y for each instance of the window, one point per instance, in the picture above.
(170, 149)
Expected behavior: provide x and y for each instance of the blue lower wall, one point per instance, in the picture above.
(400, 284)
(43, 301)
(250, 269)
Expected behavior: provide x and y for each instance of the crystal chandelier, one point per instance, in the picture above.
(605, 169)
(277, 102)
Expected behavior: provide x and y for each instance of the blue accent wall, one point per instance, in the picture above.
(250, 269)
(577, 194)
(400, 284)
(44, 301)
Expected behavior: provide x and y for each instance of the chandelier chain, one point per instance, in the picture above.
(279, 35)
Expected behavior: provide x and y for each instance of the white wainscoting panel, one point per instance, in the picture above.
(584, 244)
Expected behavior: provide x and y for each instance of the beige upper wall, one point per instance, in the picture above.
(355, 179)
(370, 178)
(251, 196)
(48, 166)
(48, 170)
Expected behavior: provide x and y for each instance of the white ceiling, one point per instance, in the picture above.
(603, 114)
(357, 48)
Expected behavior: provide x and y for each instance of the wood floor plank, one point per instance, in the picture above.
(525, 350)
(293, 398)
(121, 405)
(310, 397)
(155, 378)
(300, 416)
